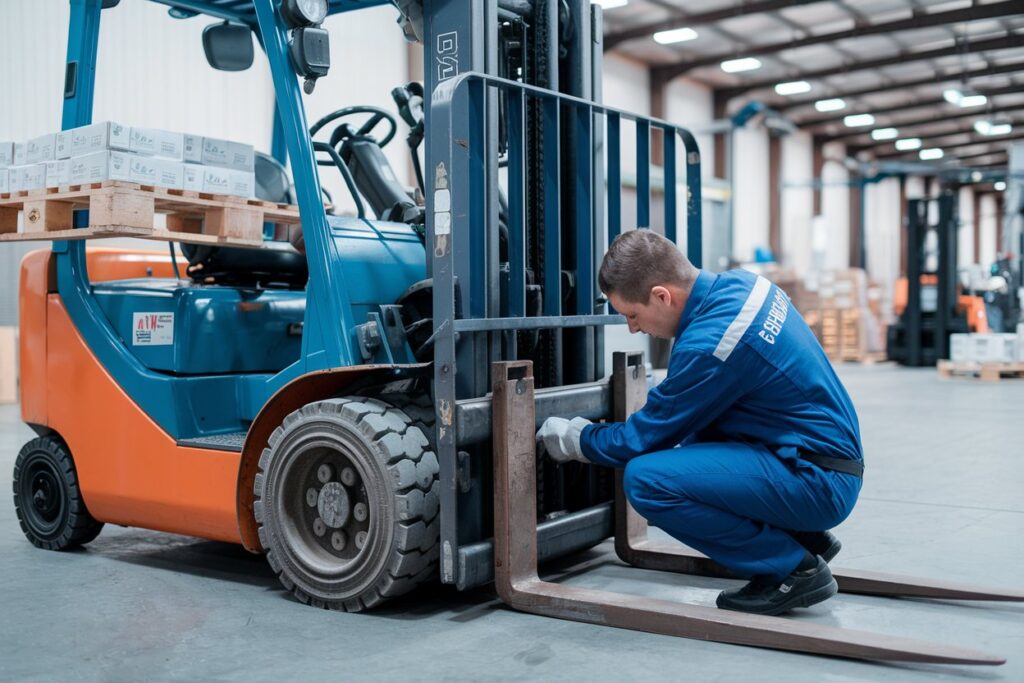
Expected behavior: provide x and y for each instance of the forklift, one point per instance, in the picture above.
(359, 402)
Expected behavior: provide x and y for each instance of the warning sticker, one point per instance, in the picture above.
(152, 329)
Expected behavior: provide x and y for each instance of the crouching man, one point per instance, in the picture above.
(749, 450)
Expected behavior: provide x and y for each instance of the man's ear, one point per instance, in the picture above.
(662, 294)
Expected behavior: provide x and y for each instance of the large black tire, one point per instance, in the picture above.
(323, 462)
(47, 500)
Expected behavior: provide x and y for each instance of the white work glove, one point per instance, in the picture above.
(561, 438)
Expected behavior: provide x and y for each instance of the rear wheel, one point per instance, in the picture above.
(47, 499)
(346, 503)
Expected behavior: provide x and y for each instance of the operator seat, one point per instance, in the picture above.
(277, 264)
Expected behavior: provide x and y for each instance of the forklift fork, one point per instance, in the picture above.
(519, 585)
(629, 391)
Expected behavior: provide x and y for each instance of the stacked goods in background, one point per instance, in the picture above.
(113, 151)
(842, 307)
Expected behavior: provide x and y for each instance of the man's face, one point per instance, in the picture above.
(657, 317)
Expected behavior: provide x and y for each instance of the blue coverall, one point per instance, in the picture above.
(713, 458)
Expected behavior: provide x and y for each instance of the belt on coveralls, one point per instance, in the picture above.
(844, 465)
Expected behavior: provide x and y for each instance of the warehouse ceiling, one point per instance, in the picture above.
(892, 59)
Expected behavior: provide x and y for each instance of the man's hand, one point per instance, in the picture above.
(561, 438)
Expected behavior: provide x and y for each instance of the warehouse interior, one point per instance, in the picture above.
(862, 156)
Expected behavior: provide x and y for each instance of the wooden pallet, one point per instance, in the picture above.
(987, 372)
(119, 209)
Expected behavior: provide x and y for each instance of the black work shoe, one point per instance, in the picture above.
(799, 589)
(822, 543)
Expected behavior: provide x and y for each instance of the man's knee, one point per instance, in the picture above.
(636, 484)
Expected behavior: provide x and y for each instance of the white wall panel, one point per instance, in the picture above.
(965, 232)
(797, 158)
(750, 191)
(835, 207)
(988, 220)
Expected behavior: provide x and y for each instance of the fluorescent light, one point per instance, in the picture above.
(793, 88)
(931, 153)
(972, 101)
(983, 127)
(999, 129)
(676, 35)
(884, 133)
(829, 104)
(907, 144)
(610, 4)
(976, 176)
(1000, 186)
(734, 66)
(952, 95)
(855, 120)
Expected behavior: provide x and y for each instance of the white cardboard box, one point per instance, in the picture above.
(995, 348)
(28, 177)
(227, 154)
(243, 184)
(6, 154)
(960, 347)
(157, 143)
(62, 145)
(155, 171)
(5, 180)
(40, 149)
(1020, 342)
(192, 177)
(192, 148)
(100, 166)
(58, 173)
(216, 180)
(19, 154)
(99, 137)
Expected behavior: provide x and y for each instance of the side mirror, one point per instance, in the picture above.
(228, 47)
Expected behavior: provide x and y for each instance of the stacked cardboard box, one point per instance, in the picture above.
(113, 151)
(8, 364)
(845, 313)
(985, 348)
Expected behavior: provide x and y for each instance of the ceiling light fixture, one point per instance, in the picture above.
(834, 104)
(972, 101)
(952, 95)
(793, 88)
(907, 144)
(857, 120)
(884, 133)
(999, 186)
(735, 66)
(676, 35)
(999, 129)
(931, 153)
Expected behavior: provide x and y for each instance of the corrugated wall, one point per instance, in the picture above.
(152, 72)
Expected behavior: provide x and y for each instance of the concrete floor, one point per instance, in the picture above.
(942, 499)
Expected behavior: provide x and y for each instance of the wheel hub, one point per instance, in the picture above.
(333, 505)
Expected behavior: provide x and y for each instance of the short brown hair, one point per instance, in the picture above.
(639, 260)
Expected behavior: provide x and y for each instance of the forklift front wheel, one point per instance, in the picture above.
(346, 503)
(47, 499)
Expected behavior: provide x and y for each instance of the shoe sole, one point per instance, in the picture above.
(808, 599)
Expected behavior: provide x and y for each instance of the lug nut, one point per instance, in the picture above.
(338, 540)
(348, 476)
(360, 539)
(359, 512)
(319, 528)
(311, 497)
(323, 473)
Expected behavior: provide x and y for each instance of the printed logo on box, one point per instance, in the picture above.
(152, 329)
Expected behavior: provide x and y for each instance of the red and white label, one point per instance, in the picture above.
(152, 329)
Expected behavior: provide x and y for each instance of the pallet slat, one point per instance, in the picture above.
(118, 209)
(986, 372)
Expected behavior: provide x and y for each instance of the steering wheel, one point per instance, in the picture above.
(364, 130)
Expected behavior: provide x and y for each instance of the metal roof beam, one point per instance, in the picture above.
(933, 137)
(1016, 67)
(1010, 41)
(615, 38)
(926, 121)
(1013, 89)
(917, 20)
